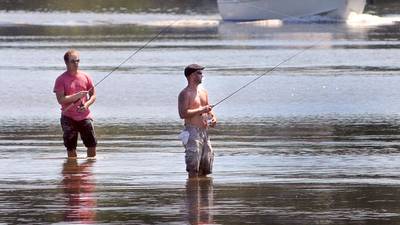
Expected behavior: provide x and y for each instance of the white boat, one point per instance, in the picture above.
(247, 10)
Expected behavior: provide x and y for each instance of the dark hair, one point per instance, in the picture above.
(192, 68)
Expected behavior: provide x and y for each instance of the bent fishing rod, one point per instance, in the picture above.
(126, 60)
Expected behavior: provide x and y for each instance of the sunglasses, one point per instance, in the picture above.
(74, 60)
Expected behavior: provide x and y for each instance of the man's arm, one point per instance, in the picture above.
(92, 99)
(64, 99)
(211, 113)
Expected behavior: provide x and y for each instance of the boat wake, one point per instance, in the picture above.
(359, 20)
(371, 20)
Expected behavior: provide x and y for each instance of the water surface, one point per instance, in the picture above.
(313, 142)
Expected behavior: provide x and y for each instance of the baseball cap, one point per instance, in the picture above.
(192, 68)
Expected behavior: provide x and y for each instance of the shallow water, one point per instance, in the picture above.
(313, 142)
(274, 171)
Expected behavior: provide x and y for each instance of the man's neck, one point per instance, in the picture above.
(192, 86)
(72, 72)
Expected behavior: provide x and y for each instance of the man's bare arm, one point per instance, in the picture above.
(92, 98)
(63, 99)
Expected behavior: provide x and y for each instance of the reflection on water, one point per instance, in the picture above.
(199, 201)
(79, 188)
(297, 170)
(317, 142)
(298, 203)
(322, 34)
(310, 150)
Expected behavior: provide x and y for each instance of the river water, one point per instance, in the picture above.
(316, 141)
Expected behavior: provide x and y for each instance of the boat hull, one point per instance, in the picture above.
(247, 10)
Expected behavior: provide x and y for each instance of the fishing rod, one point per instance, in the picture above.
(273, 68)
(126, 60)
(137, 51)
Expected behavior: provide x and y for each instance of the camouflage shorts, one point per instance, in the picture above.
(199, 155)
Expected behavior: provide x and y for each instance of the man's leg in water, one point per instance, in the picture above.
(91, 152)
(71, 153)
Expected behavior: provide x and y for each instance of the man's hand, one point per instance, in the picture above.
(82, 108)
(213, 122)
(205, 109)
(82, 94)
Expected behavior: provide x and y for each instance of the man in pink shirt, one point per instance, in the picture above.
(75, 93)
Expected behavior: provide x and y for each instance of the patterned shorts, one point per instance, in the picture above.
(199, 155)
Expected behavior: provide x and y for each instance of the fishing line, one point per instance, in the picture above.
(265, 73)
(126, 60)
(135, 52)
(273, 68)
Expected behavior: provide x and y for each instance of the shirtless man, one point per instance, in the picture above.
(194, 108)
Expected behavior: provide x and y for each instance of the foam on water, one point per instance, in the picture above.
(354, 20)
(371, 20)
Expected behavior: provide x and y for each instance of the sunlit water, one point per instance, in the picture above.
(313, 142)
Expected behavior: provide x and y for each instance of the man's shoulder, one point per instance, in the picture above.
(202, 90)
(59, 83)
(84, 74)
(62, 76)
(184, 94)
(184, 91)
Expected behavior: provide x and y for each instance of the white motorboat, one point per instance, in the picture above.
(247, 10)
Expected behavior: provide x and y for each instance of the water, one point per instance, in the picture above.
(313, 142)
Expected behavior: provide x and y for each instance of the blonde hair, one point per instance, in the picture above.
(68, 54)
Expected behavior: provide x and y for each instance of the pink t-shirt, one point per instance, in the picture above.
(70, 84)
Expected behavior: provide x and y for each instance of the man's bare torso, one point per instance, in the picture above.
(193, 99)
